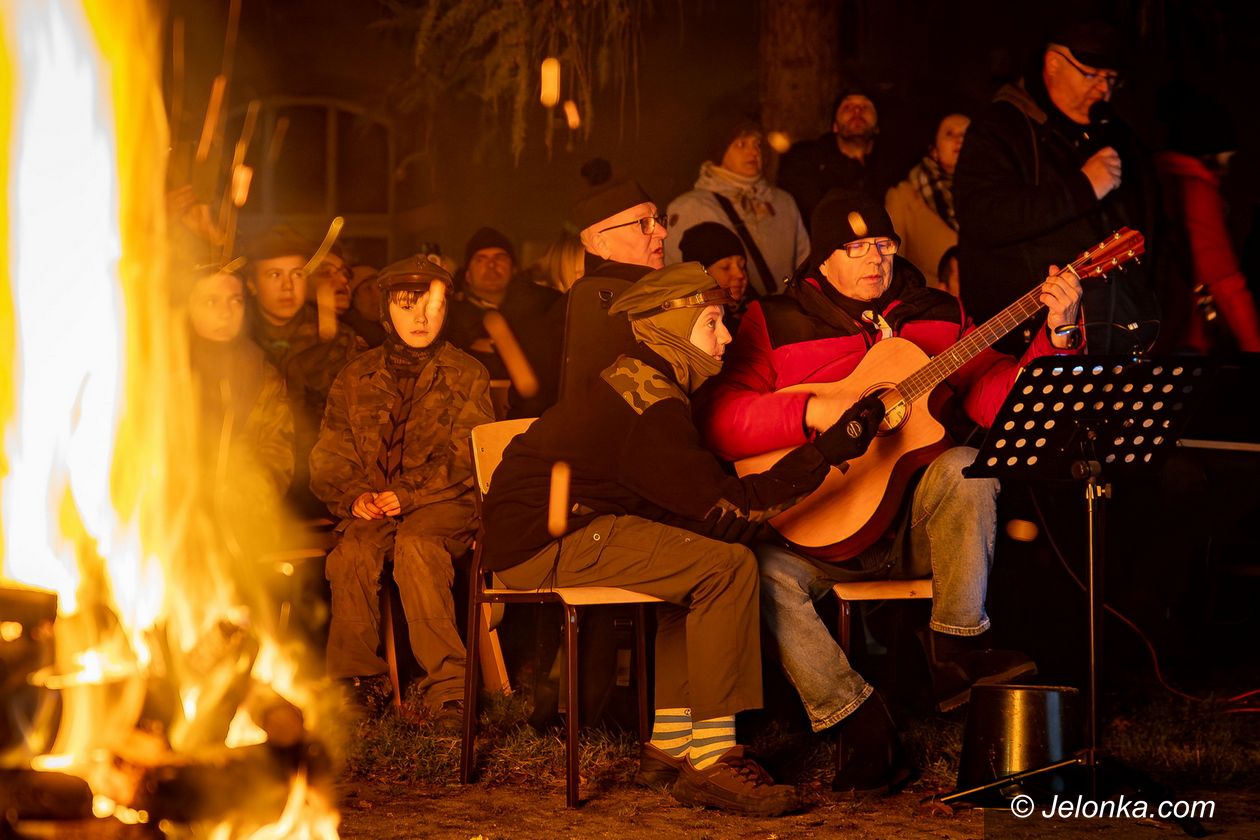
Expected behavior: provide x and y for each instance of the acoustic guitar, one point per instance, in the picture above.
(856, 504)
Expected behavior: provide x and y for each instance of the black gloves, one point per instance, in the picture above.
(852, 433)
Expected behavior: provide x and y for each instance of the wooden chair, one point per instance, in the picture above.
(488, 442)
(874, 590)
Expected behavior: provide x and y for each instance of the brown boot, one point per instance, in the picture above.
(737, 784)
(870, 760)
(657, 768)
(956, 663)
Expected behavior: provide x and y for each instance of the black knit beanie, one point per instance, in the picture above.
(844, 216)
(708, 242)
(607, 194)
(487, 237)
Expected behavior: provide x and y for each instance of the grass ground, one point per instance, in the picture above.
(402, 770)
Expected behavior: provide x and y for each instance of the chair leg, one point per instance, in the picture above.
(572, 799)
(467, 753)
(391, 644)
(846, 625)
(640, 676)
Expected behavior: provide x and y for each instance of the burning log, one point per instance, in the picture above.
(27, 794)
(26, 646)
(244, 783)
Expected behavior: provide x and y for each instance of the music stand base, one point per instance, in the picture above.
(1074, 778)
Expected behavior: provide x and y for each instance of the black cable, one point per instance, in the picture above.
(1159, 674)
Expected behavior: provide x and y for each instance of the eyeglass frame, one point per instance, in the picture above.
(657, 220)
(326, 268)
(1113, 83)
(866, 248)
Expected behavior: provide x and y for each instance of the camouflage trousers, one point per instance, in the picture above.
(422, 543)
(708, 646)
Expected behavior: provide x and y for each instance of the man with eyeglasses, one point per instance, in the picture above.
(286, 326)
(1048, 171)
(851, 293)
(619, 225)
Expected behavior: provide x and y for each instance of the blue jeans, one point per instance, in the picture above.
(947, 533)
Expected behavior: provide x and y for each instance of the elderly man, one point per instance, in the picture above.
(852, 293)
(490, 283)
(732, 192)
(620, 226)
(843, 158)
(1047, 171)
(654, 512)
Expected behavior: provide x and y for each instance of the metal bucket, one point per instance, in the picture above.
(1012, 728)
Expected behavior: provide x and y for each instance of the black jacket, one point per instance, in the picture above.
(812, 168)
(536, 316)
(633, 449)
(1023, 203)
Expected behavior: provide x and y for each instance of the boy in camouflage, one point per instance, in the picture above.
(392, 461)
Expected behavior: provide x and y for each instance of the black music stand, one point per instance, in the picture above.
(1087, 419)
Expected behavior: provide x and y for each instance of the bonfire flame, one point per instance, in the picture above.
(98, 502)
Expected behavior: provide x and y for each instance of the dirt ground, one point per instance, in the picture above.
(376, 812)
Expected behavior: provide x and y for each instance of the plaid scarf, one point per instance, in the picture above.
(937, 189)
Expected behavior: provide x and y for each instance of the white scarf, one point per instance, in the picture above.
(752, 195)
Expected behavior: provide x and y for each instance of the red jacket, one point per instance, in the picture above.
(1201, 209)
(802, 335)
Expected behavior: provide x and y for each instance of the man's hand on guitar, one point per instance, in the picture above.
(1061, 293)
(850, 436)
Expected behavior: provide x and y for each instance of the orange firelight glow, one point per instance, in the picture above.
(99, 502)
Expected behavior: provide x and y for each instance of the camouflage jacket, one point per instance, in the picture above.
(632, 449)
(307, 364)
(452, 395)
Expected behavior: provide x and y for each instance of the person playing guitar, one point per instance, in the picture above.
(851, 295)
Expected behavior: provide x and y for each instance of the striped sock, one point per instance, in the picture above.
(671, 731)
(709, 739)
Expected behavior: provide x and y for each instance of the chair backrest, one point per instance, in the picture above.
(488, 442)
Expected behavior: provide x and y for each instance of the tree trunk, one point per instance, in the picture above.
(800, 65)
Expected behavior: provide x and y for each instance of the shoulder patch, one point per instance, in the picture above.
(640, 385)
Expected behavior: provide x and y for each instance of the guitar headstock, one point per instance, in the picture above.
(1122, 246)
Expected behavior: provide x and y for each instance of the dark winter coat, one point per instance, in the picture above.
(1023, 203)
(633, 450)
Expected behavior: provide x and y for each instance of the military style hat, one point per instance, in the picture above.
(278, 241)
(679, 286)
(414, 272)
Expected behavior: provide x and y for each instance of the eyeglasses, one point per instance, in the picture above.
(857, 250)
(1113, 81)
(333, 271)
(648, 224)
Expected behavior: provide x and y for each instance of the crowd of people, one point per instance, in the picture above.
(350, 393)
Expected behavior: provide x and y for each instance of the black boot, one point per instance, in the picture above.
(870, 760)
(956, 663)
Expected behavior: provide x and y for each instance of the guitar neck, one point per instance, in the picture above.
(926, 378)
